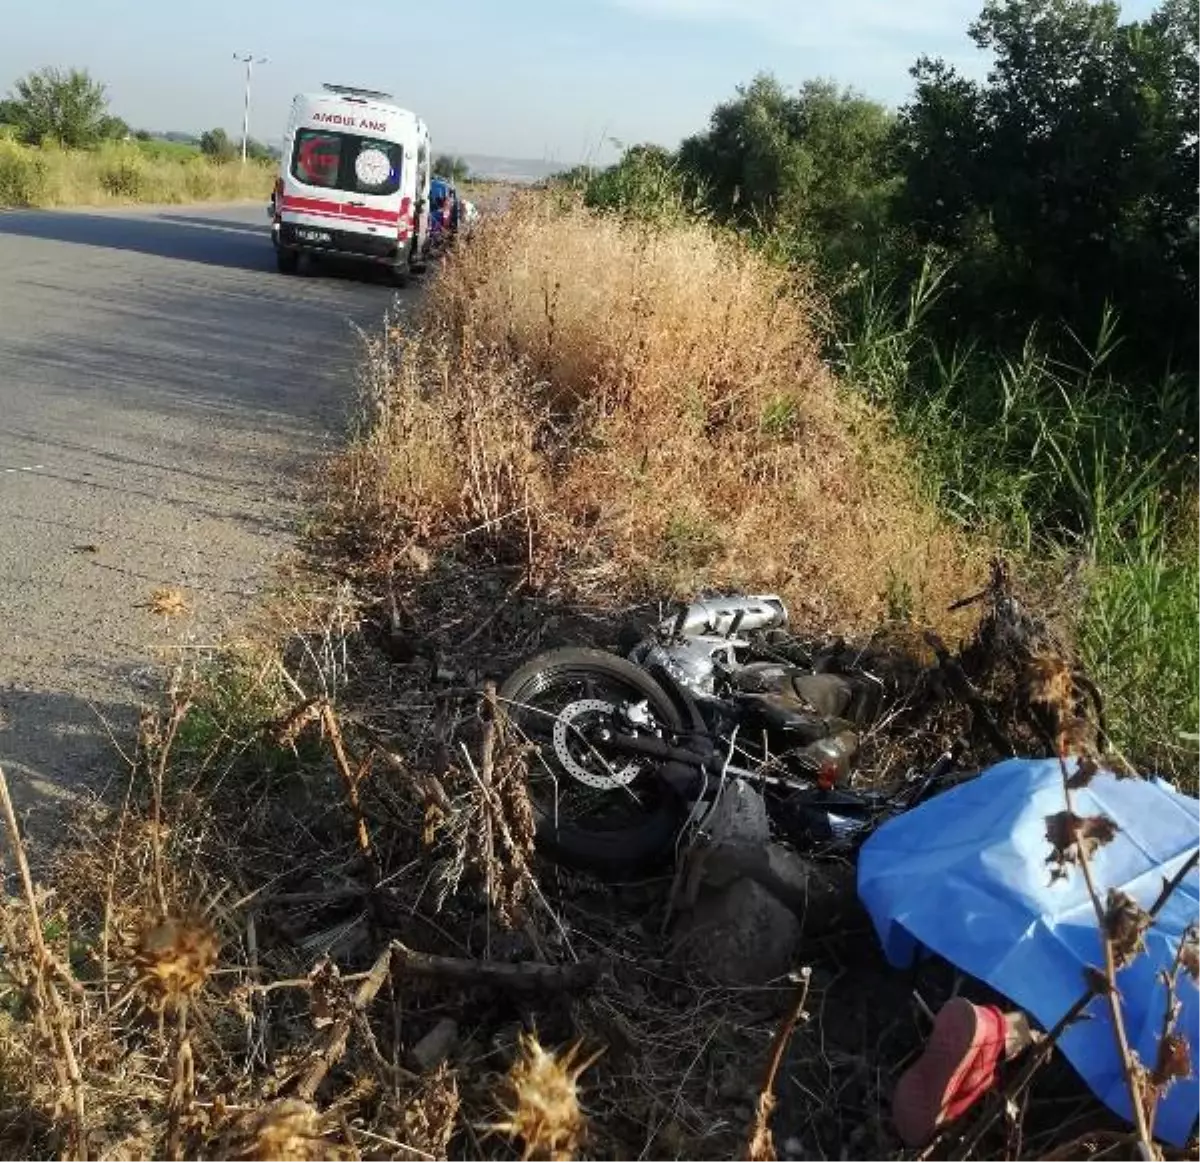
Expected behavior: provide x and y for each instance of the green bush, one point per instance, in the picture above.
(215, 144)
(1061, 462)
(1067, 179)
(22, 175)
(199, 179)
(806, 170)
(1027, 442)
(452, 167)
(1136, 631)
(645, 184)
(122, 173)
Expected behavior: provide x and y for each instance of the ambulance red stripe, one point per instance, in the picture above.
(335, 218)
(329, 209)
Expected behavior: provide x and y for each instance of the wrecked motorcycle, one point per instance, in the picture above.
(629, 752)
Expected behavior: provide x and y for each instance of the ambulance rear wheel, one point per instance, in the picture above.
(398, 275)
(288, 261)
(416, 260)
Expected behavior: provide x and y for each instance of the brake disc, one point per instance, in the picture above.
(565, 731)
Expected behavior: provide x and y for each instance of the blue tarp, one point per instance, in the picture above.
(965, 876)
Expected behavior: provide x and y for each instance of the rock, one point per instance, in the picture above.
(746, 902)
(827, 694)
(821, 894)
(739, 816)
(788, 868)
(435, 1046)
(740, 934)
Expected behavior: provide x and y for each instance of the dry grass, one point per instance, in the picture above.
(117, 174)
(168, 601)
(223, 950)
(626, 412)
(320, 856)
(543, 1113)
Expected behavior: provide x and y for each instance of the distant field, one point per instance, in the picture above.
(125, 172)
(168, 150)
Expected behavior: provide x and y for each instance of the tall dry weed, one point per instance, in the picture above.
(636, 411)
(120, 173)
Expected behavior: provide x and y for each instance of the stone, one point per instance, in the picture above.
(746, 902)
(822, 894)
(740, 934)
(739, 816)
(435, 1046)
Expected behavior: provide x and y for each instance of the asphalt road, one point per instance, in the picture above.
(163, 392)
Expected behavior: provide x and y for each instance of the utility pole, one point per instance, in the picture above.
(249, 60)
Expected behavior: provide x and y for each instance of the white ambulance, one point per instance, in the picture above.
(353, 182)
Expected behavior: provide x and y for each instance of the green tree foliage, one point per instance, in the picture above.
(258, 151)
(575, 178)
(809, 165)
(448, 166)
(1067, 180)
(215, 143)
(647, 183)
(64, 106)
(219, 146)
(114, 129)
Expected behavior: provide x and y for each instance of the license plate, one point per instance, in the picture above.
(314, 235)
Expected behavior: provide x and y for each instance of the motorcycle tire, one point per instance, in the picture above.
(643, 843)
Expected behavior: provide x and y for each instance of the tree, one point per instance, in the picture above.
(811, 164)
(938, 146)
(114, 129)
(1067, 180)
(66, 107)
(647, 183)
(215, 143)
(258, 151)
(455, 168)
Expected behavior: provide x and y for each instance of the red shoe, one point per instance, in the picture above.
(957, 1067)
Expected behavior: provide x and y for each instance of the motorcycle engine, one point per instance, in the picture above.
(691, 663)
(699, 641)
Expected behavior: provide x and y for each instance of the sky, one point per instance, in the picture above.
(550, 80)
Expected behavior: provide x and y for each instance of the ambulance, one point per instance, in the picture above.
(353, 183)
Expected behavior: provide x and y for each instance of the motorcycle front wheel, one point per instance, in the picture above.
(608, 813)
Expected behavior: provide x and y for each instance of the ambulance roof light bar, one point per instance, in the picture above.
(351, 91)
